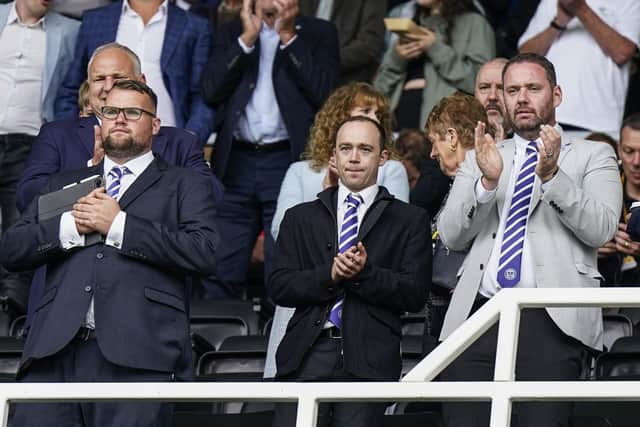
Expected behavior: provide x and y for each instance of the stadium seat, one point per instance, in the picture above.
(413, 323)
(216, 320)
(616, 326)
(245, 343)
(10, 354)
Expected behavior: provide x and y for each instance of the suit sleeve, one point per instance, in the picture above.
(29, 244)
(43, 161)
(66, 103)
(291, 283)
(192, 246)
(463, 217)
(313, 61)
(405, 289)
(591, 211)
(200, 119)
(368, 44)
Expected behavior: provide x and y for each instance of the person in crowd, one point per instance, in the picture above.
(84, 102)
(75, 143)
(488, 90)
(509, 19)
(268, 73)
(173, 47)
(317, 172)
(427, 182)
(510, 202)
(620, 256)
(36, 48)
(450, 128)
(360, 25)
(348, 281)
(115, 311)
(607, 35)
(443, 55)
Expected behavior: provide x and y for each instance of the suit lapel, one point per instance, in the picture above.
(84, 130)
(53, 37)
(150, 175)
(4, 14)
(370, 219)
(508, 154)
(176, 23)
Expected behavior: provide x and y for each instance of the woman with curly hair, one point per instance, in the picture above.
(443, 55)
(306, 178)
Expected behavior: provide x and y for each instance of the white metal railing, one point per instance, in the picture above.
(502, 392)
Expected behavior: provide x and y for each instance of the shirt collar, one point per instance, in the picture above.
(128, 10)
(13, 18)
(521, 143)
(368, 194)
(136, 166)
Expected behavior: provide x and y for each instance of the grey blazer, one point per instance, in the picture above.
(567, 223)
(61, 35)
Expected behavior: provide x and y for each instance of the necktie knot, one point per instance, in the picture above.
(532, 148)
(354, 200)
(116, 173)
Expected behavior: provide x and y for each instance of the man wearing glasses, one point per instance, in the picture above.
(115, 311)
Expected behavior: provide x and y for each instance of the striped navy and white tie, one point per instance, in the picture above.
(115, 174)
(348, 238)
(509, 266)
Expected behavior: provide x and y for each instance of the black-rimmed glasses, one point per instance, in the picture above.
(130, 113)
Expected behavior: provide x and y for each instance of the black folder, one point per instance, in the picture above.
(58, 202)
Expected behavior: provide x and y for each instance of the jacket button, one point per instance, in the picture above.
(318, 322)
(87, 288)
(99, 255)
(330, 289)
(493, 236)
(481, 266)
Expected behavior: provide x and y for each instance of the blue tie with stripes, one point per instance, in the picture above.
(509, 265)
(116, 173)
(348, 238)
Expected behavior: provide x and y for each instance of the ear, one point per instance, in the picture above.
(155, 126)
(384, 156)
(452, 138)
(143, 79)
(557, 96)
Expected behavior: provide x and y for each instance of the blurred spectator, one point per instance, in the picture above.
(594, 82)
(509, 19)
(450, 128)
(427, 182)
(36, 48)
(421, 68)
(603, 137)
(489, 92)
(360, 25)
(228, 10)
(75, 8)
(619, 258)
(269, 78)
(84, 102)
(305, 179)
(173, 46)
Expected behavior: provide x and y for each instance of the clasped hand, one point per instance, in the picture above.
(349, 263)
(95, 212)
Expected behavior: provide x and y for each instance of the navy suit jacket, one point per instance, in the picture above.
(139, 293)
(304, 73)
(68, 144)
(184, 54)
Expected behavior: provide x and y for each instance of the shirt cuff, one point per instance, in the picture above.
(546, 185)
(68, 233)
(89, 163)
(482, 194)
(246, 49)
(284, 46)
(116, 231)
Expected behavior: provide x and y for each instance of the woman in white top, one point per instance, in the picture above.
(306, 178)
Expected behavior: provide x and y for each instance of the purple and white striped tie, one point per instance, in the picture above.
(348, 238)
(116, 173)
(515, 227)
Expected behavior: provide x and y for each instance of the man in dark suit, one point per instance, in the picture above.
(115, 310)
(71, 143)
(270, 73)
(334, 252)
(173, 59)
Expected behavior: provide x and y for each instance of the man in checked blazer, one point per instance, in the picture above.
(573, 208)
(182, 56)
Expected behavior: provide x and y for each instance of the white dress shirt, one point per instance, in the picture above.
(324, 10)
(22, 58)
(489, 285)
(146, 41)
(68, 233)
(262, 121)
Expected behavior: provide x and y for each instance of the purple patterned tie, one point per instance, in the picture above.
(348, 238)
(116, 173)
(516, 224)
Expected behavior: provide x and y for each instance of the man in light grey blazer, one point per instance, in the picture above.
(36, 48)
(533, 209)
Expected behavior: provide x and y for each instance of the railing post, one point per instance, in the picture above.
(4, 410)
(500, 411)
(307, 411)
(507, 345)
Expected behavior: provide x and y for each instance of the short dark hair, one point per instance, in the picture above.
(533, 58)
(137, 87)
(632, 121)
(383, 136)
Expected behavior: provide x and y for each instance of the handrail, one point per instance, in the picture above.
(501, 392)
